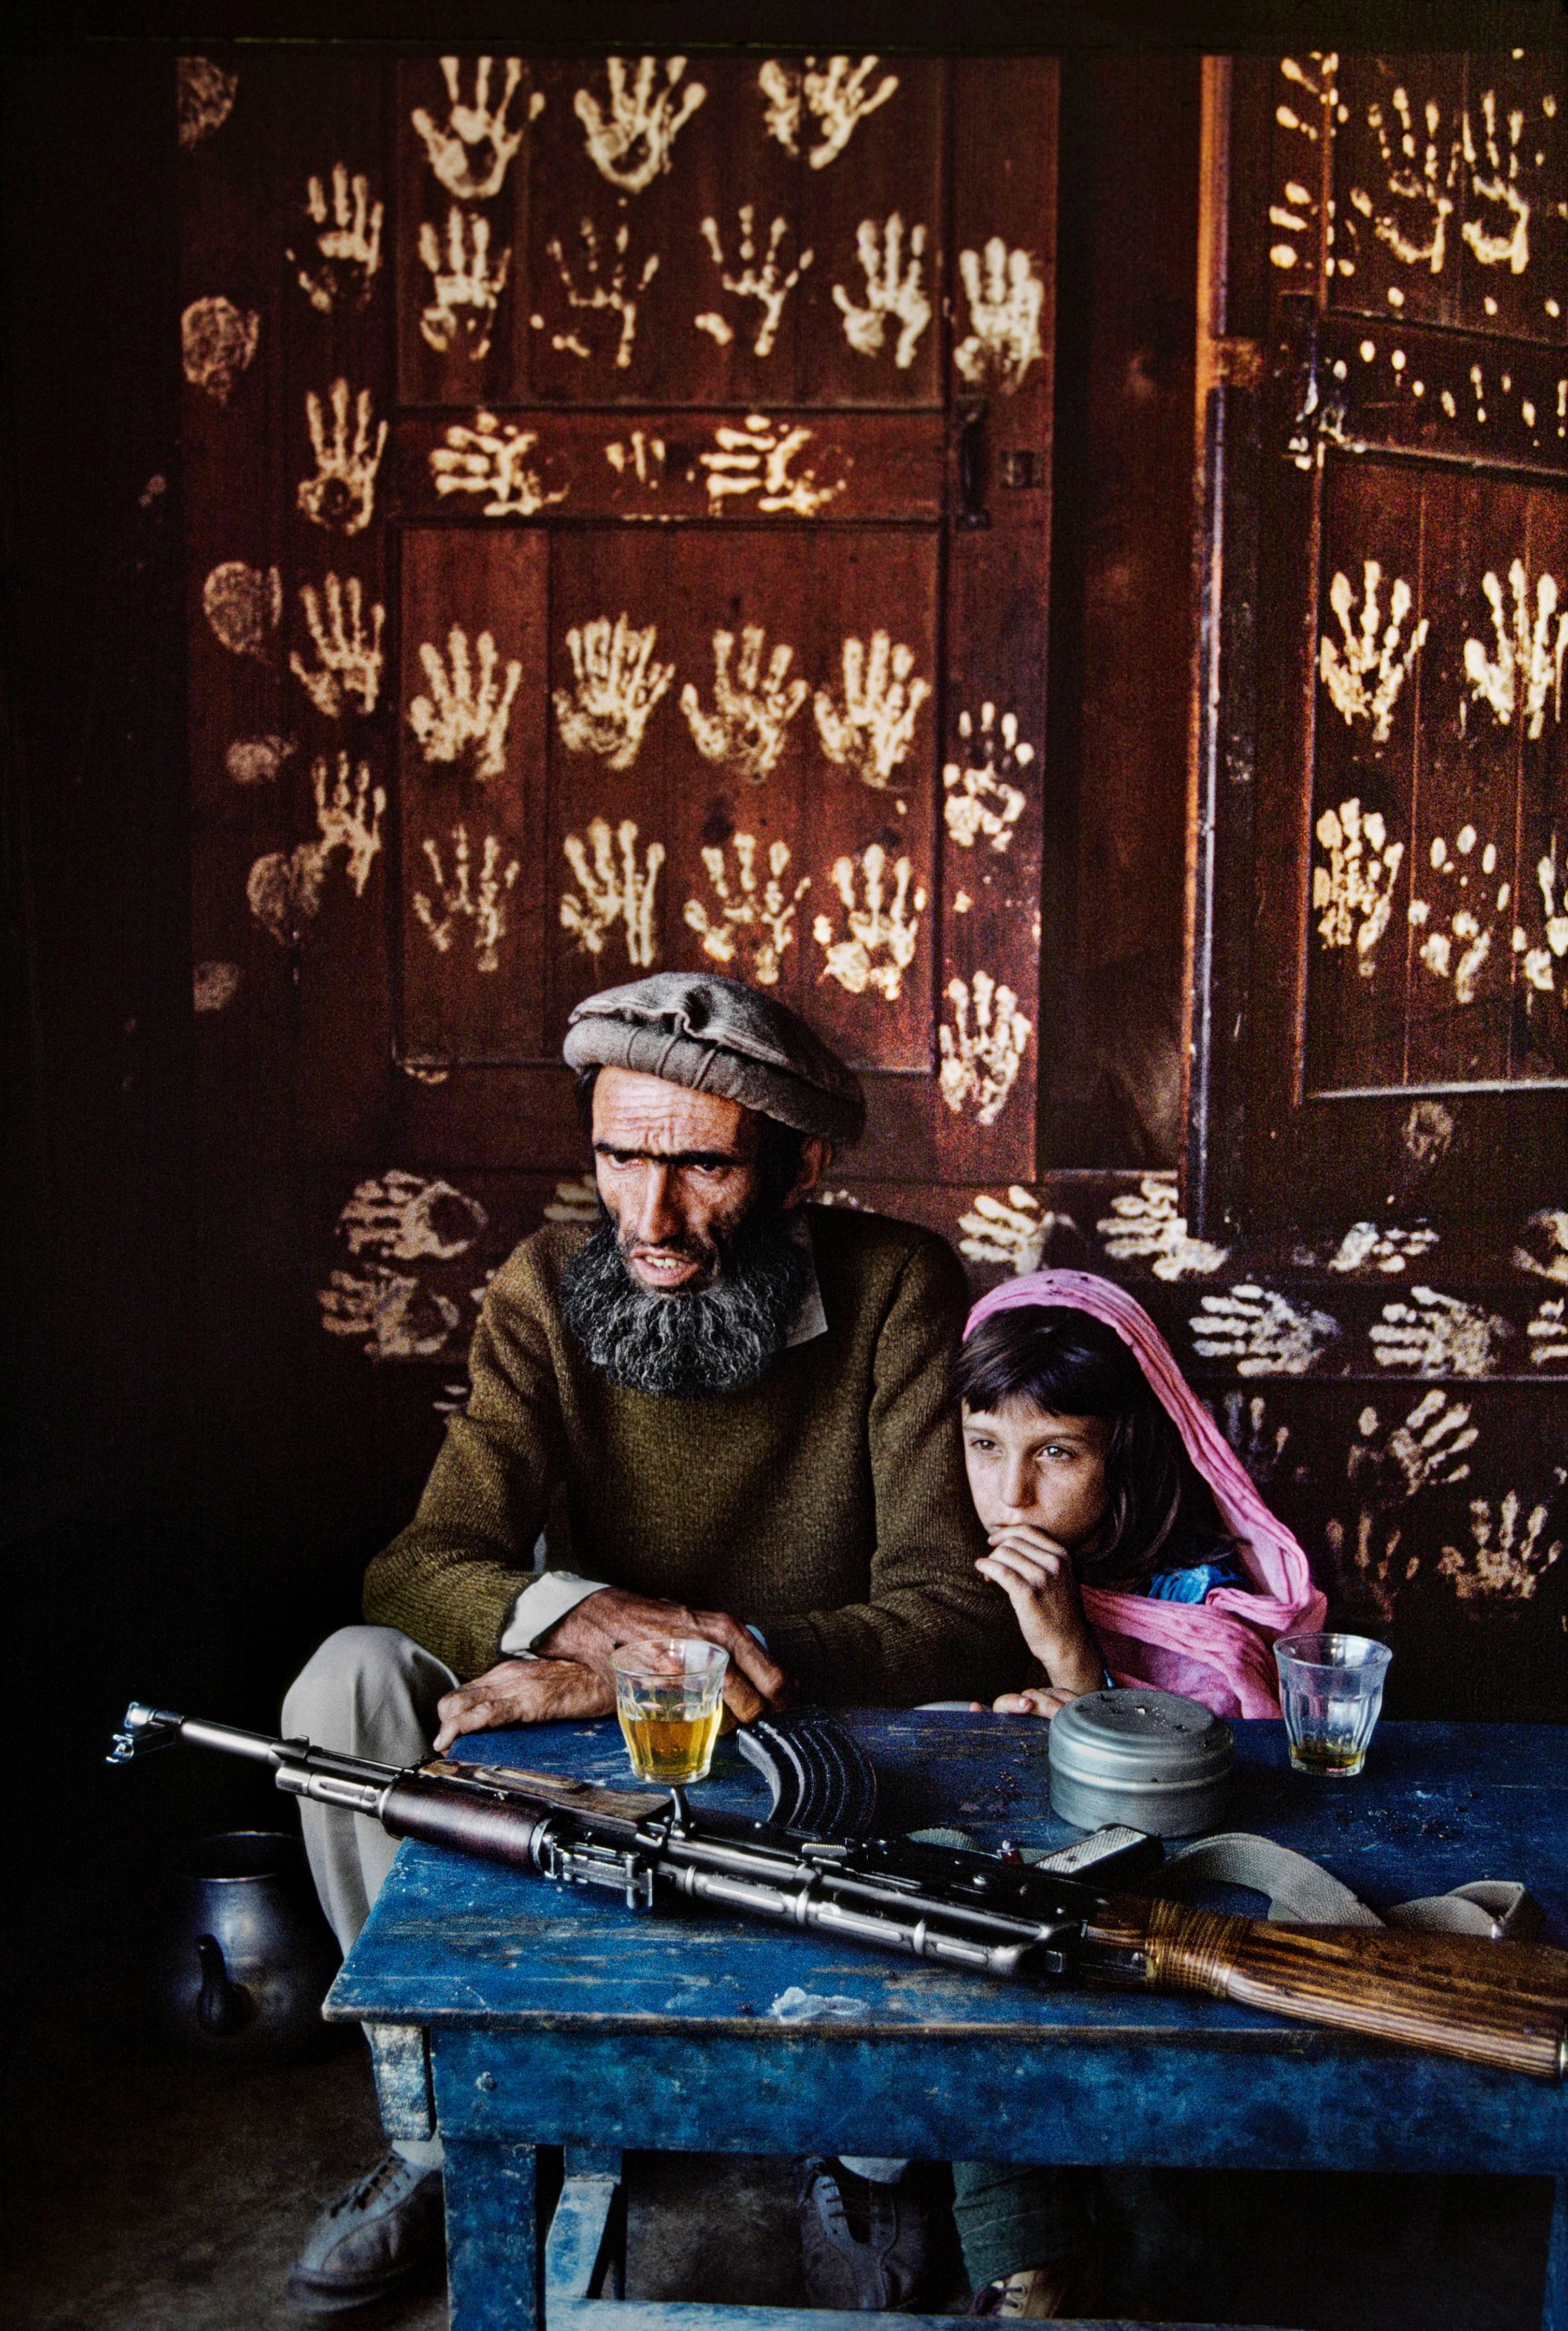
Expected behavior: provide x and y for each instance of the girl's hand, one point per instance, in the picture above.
(1035, 1573)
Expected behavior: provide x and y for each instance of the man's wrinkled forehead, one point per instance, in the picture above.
(643, 1116)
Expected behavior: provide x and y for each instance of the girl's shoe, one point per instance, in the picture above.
(1038, 2294)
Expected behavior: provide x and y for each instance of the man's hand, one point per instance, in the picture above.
(1038, 1700)
(522, 1691)
(1035, 1572)
(633, 1624)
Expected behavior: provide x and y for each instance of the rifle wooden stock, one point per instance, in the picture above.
(1500, 2004)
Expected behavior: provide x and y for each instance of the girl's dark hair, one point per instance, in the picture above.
(1162, 1514)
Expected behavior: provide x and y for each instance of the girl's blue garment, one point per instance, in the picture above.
(1191, 1585)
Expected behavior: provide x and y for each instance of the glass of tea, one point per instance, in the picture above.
(1330, 1690)
(670, 1702)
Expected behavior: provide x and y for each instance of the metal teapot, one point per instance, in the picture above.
(248, 1958)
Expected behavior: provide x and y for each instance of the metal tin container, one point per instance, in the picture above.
(1152, 1759)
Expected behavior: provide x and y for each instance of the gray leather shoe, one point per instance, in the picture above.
(875, 2261)
(373, 2237)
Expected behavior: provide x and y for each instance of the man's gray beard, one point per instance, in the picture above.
(688, 1346)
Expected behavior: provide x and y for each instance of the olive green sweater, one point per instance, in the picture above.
(827, 1504)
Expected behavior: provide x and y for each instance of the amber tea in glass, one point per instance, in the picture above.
(669, 1710)
(1330, 1693)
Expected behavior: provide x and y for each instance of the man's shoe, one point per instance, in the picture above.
(877, 2259)
(373, 2237)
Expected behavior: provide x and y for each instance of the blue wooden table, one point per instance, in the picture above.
(510, 2014)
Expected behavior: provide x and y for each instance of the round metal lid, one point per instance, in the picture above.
(1131, 1738)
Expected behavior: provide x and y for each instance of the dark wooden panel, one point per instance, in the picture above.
(995, 712)
(655, 466)
(632, 153)
(1381, 385)
(1365, 732)
(463, 150)
(872, 213)
(635, 801)
(1437, 724)
(1450, 175)
(472, 751)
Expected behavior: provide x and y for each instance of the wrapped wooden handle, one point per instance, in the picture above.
(1502, 2003)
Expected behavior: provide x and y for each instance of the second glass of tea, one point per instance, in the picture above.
(669, 1701)
(1330, 1692)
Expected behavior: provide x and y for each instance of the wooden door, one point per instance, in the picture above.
(1397, 958)
(618, 509)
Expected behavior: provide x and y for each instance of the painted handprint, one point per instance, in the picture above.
(835, 92)
(1436, 1335)
(977, 797)
(349, 658)
(612, 893)
(880, 925)
(1495, 178)
(1259, 1443)
(760, 459)
(1006, 302)
(283, 889)
(1365, 1247)
(1530, 647)
(893, 291)
(769, 283)
(1261, 1332)
(217, 343)
(1455, 941)
(1144, 1226)
(980, 1063)
(397, 1317)
(617, 683)
(404, 1218)
(629, 143)
(610, 285)
(470, 155)
(1502, 1559)
(753, 914)
(1364, 671)
(347, 239)
(748, 725)
(466, 714)
(871, 730)
(1013, 1230)
(342, 493)
(494, 458)
(1353, 891)
(471, 895)
(1392, 1463)
(465, 288)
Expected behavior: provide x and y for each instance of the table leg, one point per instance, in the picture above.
(492, 2237)
(587, 2232)
(1555, 2312)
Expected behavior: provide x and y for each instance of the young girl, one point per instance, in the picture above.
(1133, 1549)
(1124, 1530)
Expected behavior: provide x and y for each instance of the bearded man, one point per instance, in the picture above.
(747, 1405)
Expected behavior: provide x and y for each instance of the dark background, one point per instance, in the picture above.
(155, 1542)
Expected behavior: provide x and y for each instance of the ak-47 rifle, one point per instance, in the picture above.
(1504, 2004)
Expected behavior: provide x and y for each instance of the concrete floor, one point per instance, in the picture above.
(148, 2192)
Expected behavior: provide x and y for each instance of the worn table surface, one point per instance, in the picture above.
(482, 1950)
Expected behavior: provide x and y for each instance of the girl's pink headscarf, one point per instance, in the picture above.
(1218, 1651)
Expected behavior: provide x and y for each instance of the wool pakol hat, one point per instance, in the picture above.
(718, 1036)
